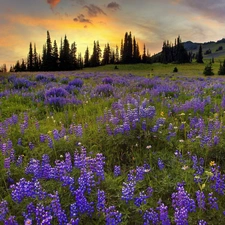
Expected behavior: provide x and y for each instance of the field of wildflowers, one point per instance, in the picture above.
(103, 148)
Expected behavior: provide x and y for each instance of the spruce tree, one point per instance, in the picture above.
(35, 59)
(199, 55)
(30, 59)
(73, 56)
(222, 68)
(86, 58)
(55, 56)
(49, 57)
(117, 58)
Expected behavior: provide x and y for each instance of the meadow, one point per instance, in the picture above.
(137, 145)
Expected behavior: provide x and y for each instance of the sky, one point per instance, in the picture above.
(85, 21)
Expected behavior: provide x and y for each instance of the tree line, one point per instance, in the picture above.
(66, 57)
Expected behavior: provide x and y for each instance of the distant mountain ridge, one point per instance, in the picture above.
(211, 49)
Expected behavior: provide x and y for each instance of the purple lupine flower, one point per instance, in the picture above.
(181, 199)
(163, 214)
(57, 210)
(56, 135)
(151, 217)
(181, 216)
(202, 222)
(12, 155)
(4, 148)
(82, 204)
(9, 145)
(218, 181)
(101, 201)
(42, 138)
(128, 191)
(112, 216)
(160, 164)
(212, 201)
(31, 145)
(78, 130)
(11, 221)
(200, 196)
(140, 172)
(19, 161)
(50, 142)
(19, 142)
(117, 171)
(7, 163)
(68, 162)
(99, 167)
(3, 209)
(149, 191)
(86, 180)
(74, 221)
(73, 210)
(141, 199)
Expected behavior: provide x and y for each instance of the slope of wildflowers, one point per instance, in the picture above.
(103, 148)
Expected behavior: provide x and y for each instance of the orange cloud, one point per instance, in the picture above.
(53, 3)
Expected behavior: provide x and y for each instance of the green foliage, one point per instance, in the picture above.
(208, 71)
(222, 69)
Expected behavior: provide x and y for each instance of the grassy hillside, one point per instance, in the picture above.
(157, 69)
(213, 46)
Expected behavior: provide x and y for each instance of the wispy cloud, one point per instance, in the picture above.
(53, 3)
(94, 10)
(113, 6)
(81, 18)
(214, 10)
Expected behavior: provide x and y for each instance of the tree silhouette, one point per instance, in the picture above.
(199, 55)
(30, 62)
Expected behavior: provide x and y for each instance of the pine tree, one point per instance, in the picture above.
(23, 66)
(17, 67)
(86, 58)
(208, 70)
(30, 63)
(44, 65)
(222, 68)
(117, 58)
(35, 59)
(49, 57)
(106, 55)
(199, 55)
(55, 56)
(73, 56)
(144, 57)
(65, 59)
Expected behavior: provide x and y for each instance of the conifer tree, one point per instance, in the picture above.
(30, 63)
(144, 57)
(23, 66)
(86, 58)
(35, 59)
(117, 58)
(73, 56)
(17, 67)
(222, 68)
(199, 55)
(49, 57)
(55, 56)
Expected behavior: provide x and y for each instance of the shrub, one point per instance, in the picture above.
(175, 70)
(208, 70)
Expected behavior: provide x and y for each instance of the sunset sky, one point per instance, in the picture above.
(83, 21)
